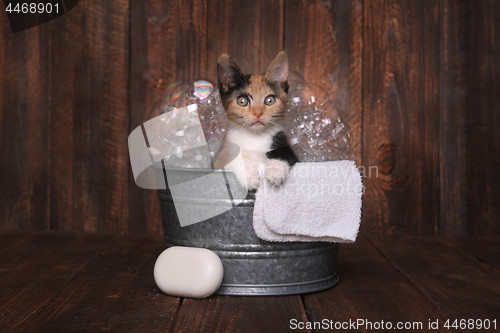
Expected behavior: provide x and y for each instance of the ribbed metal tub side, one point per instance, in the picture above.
(251, 266)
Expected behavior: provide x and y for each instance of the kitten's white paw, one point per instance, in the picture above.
(276, 171)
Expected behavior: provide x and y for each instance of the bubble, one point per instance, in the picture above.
(202, 89)
(313, 124)
(206, 96)
(294, 76)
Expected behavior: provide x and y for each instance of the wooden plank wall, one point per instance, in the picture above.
(418, 83)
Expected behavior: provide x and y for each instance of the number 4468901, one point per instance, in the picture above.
(471, 324)
(33, 8)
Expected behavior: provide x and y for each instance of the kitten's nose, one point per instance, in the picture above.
(257, 112)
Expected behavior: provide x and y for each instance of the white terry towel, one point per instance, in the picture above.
(319, 201)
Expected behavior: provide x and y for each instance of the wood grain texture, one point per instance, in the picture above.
(24, 128)
(250, 32)
(68, 282)
(448, 276)
(401, 116)
(453, 115)
(367, 291)
(418, 82)
(116, 292)
(168, 43)
(90, 118)
(240, 314)
(34, 271)
(483, 118)
(485, 248)
(323, 40)
(11, 237)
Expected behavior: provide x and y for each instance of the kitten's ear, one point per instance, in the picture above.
(278, 70)
(228, 74)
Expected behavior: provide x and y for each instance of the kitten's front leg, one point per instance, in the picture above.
(247, 173)
(244, 173)
(276, 171)
(248, 176)
(252, 174)
(280, 159)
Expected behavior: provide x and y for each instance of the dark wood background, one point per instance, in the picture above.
(418, 82)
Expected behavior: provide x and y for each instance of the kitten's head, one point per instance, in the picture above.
(254, 102)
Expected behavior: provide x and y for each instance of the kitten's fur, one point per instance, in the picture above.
(257, 128)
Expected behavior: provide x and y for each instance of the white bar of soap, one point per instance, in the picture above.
(188, 272)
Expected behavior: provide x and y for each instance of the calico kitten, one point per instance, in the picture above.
(255, 107)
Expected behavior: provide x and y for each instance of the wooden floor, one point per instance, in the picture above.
(67, 282)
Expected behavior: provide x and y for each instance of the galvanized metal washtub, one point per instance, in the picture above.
(251, 266)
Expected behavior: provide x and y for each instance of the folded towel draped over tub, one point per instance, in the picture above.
(319, 201)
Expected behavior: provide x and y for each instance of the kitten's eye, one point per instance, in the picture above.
(242, 101)
(270, 100)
